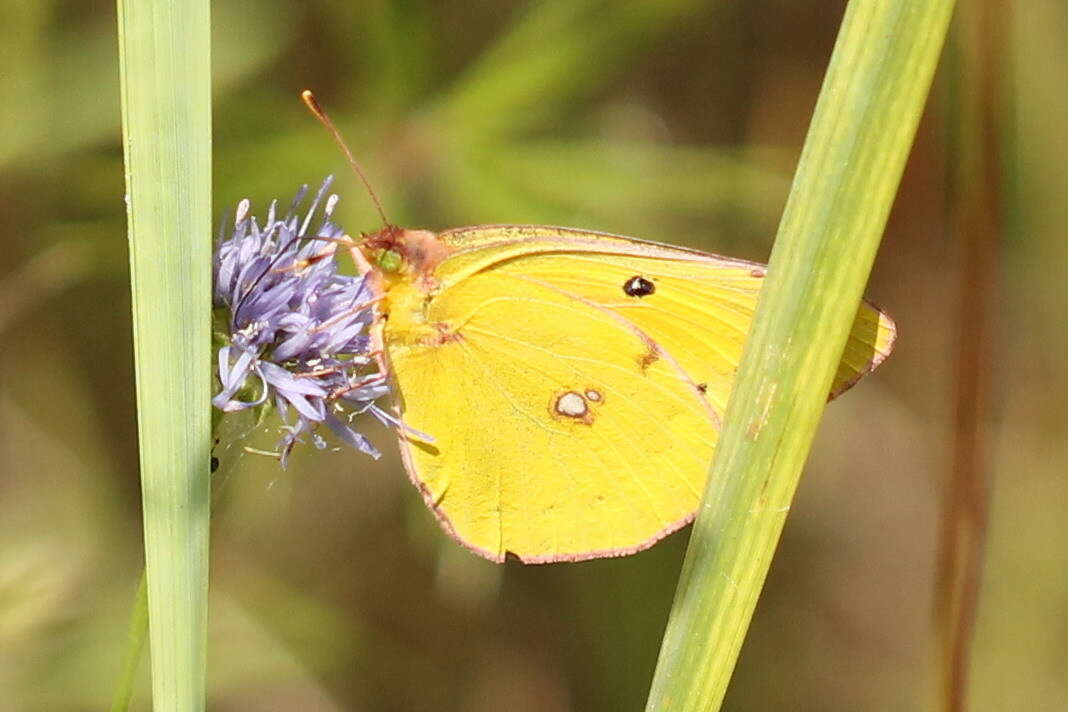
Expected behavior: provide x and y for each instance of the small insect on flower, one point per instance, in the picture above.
(297, 330)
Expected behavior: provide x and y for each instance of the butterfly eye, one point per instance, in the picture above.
(638, 286)
(389, 261)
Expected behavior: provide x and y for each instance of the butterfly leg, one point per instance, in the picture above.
(374, 283)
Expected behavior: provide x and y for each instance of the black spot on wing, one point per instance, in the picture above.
(638, 286)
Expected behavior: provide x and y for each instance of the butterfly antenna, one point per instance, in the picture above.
(313, 106)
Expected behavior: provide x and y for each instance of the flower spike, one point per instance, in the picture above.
(298, 330)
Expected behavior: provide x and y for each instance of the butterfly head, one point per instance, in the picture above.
(398, 253)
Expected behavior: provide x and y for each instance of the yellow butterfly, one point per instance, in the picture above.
(574, 382)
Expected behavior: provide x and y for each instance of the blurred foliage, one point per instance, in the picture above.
(677, 121)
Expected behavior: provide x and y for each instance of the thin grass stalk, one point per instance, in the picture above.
(864, 123)
(977, 207)
(166, 116)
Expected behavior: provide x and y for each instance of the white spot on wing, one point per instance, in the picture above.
(571, 404)
(593, 395)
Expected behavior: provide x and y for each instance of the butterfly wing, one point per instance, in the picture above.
(573, 383)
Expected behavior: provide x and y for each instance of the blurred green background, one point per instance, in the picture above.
(676, 120)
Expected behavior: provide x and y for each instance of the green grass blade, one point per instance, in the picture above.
(845, 183)
(166, 113)
(135, 644)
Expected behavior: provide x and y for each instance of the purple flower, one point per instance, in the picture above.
(297, 329)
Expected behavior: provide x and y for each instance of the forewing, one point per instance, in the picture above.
(699, 309)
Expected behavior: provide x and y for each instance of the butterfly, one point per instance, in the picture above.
(573, 383)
